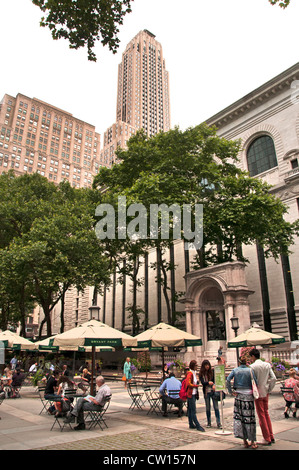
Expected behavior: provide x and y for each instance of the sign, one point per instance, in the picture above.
(219, 377)
(2, 351)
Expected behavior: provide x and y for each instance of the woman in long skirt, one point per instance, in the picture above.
(244, 412)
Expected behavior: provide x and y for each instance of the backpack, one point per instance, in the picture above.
(183, 391)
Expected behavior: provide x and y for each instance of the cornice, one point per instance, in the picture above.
(275, 86)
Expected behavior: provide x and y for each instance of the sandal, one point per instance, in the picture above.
(254, 446)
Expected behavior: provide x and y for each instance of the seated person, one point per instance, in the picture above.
(86, 379)
(63, 405)
(51, 386)
(89, 403)
(171, 385)
(17, 380)
(291, 397)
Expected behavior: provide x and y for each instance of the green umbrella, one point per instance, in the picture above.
(255, 336)
(13, 341)
(93, 333)
(163, 335)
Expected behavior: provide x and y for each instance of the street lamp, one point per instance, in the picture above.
(94, 315)
(235, 327)
(94, 312)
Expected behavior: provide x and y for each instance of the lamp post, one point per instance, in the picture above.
(94, 315)
(235, 327)
(94, 312)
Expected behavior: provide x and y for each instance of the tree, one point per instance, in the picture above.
(47, 242)
(83, 22)
(281, 3)
(195, 167)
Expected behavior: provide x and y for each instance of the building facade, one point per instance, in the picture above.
(263, 291)
(143, 85)
(143, 100)
(38, 137)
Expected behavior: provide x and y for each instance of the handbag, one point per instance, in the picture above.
(217, 396)
(124, 378)
(254, 387)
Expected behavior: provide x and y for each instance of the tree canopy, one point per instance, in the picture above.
(189, 168)
(47, 244)
(84, 22)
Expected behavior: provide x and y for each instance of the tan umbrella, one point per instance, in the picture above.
(255, 336)
(93, 333)
(46, 345)
(13, 341)
(163, 335)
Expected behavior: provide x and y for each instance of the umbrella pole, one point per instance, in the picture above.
(163, 364)
(74, 363)
(92, 369)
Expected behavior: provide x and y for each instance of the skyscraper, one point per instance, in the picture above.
(143, 85)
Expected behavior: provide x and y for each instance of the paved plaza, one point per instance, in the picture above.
(23, 428)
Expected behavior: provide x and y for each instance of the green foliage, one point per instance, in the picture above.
(47, 244)
(37, 377)
(83, 22)
(197, 167)
(282, 4)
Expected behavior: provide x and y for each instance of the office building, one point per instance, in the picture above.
(38, 137)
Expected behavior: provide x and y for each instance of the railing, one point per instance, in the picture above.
(288, 355)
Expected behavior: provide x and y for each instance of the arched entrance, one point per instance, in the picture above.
(213, 296)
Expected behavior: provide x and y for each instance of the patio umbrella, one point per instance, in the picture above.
(47, 345)
(163, 335)
(93, 333)
(255, 336)
(13, 341)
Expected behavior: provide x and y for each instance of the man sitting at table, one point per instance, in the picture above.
(169, 391)
(89, 403)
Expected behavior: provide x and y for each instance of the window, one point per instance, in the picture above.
(261, 155)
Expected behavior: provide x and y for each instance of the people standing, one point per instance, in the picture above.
(192, 392)
(244, 414)
(127, 371)
(206, 375)
(266, 381)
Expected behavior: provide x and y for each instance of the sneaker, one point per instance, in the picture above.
(209, 425)
(219, 425)
(80, 427)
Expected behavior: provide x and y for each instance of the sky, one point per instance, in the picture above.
(216, 52)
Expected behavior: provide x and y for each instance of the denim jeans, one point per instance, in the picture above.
(208, 398)
(192, 418)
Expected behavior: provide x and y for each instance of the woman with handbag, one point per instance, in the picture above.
(206, 375)
(244, 411)
(192, 392)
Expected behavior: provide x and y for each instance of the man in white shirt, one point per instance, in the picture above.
(266, 381)
(89, 403)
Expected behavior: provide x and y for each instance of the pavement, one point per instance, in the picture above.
(23, 428)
